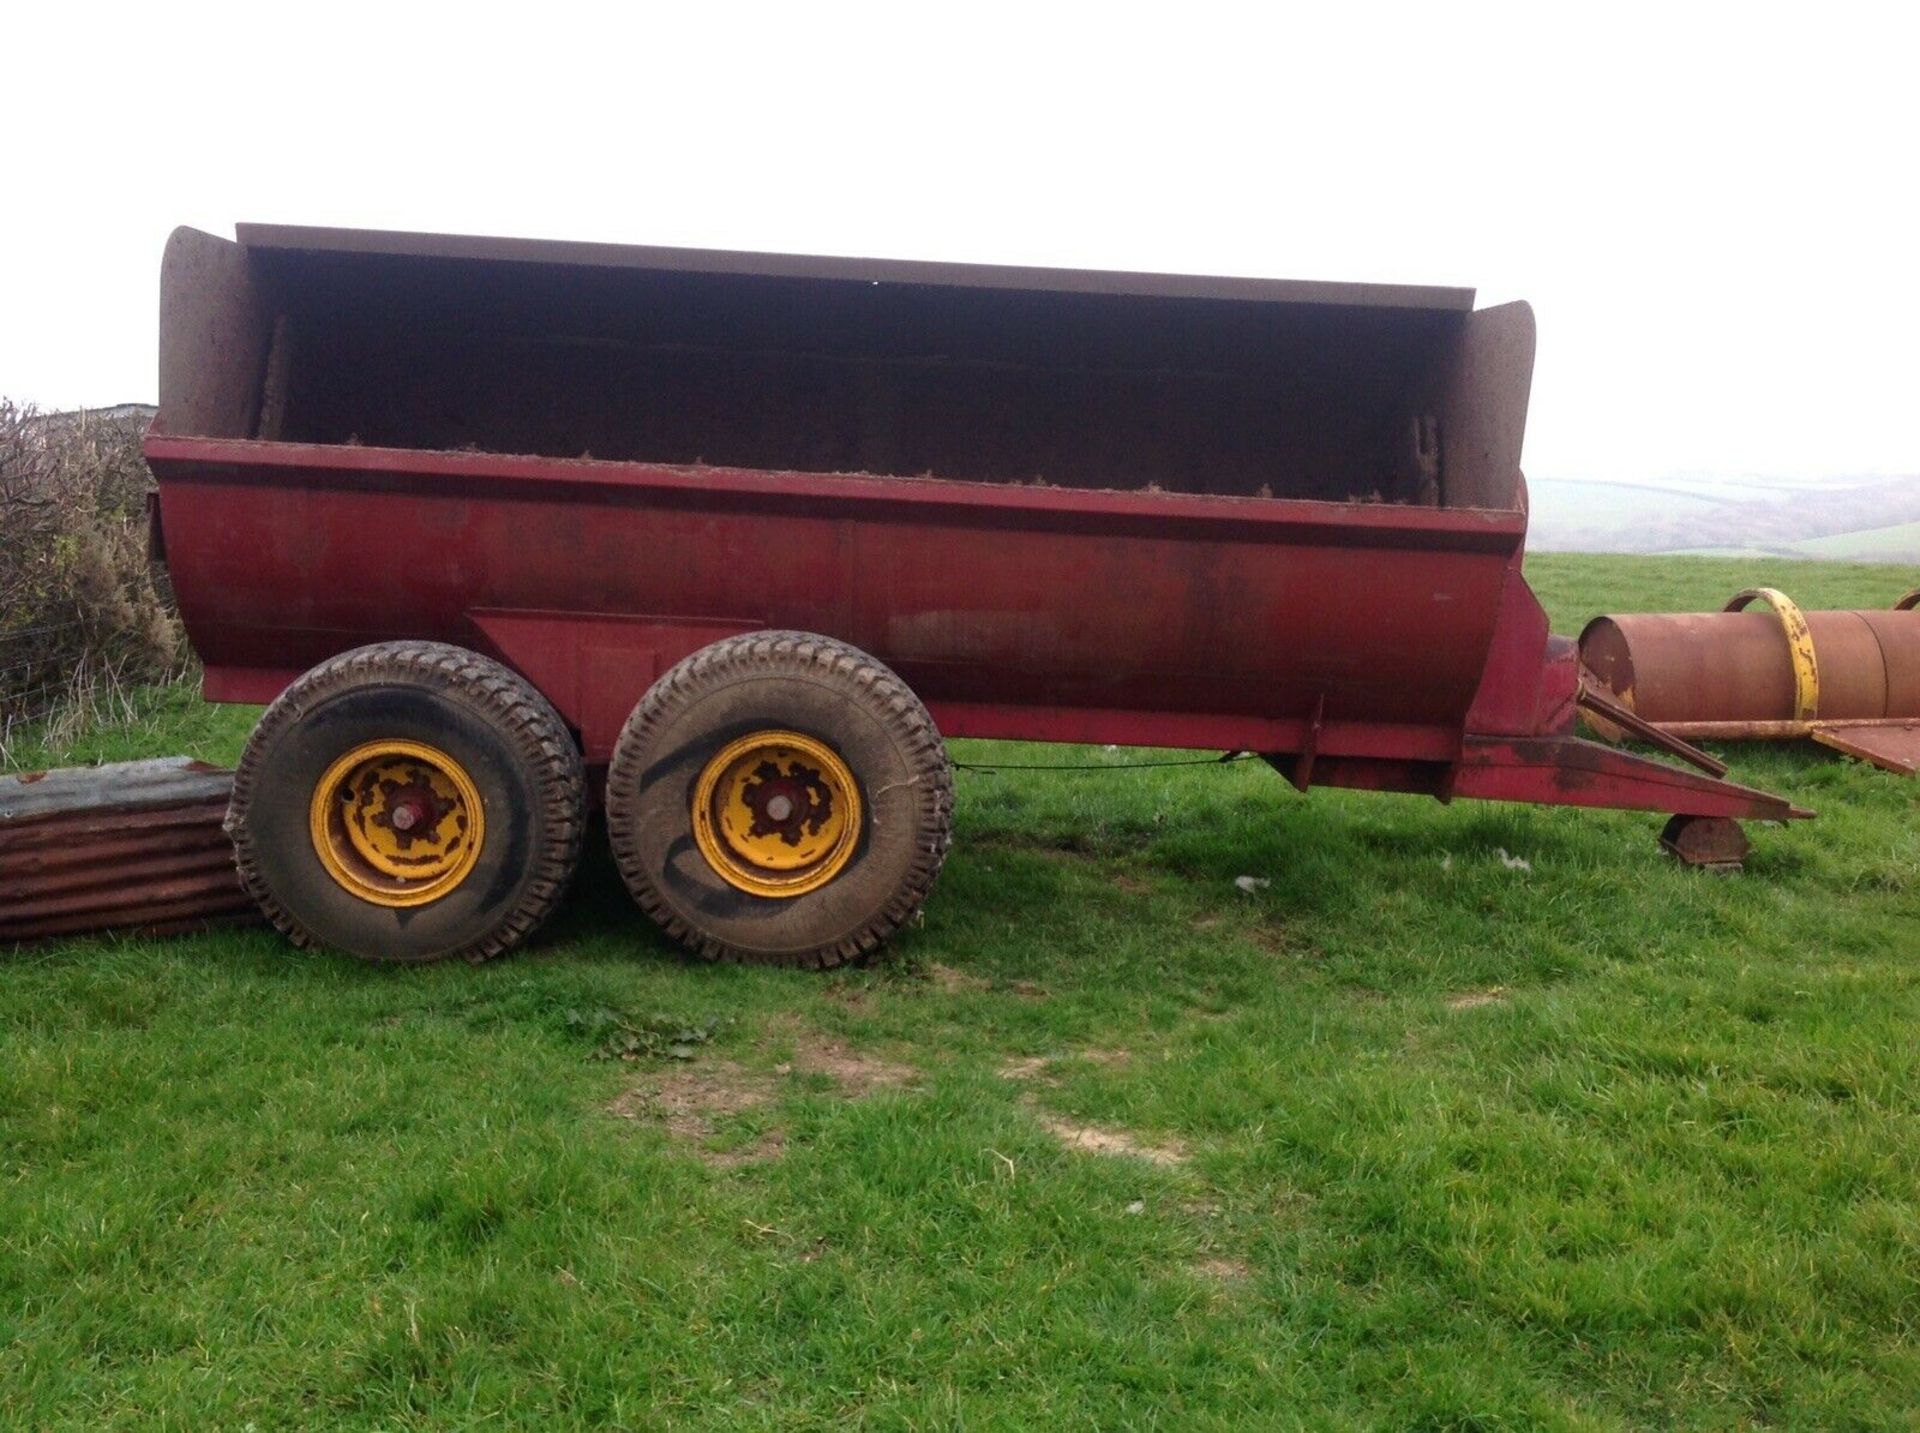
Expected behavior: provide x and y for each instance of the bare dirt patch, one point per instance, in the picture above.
(1025, 1067)
(954, 982)
(1478, 999)
(1272, 940)
(855, 1071)
(816, 1054)
(1092, 1139)
(949, 981)
(1039, 1068)
(1223, 1271)
(693, 1103)
(1089, 1139)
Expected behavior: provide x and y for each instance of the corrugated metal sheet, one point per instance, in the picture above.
(131, 846)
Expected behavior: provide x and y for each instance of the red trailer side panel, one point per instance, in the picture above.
(1211, 619)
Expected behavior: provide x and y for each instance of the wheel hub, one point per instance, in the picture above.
(777, 814)
(397, 823)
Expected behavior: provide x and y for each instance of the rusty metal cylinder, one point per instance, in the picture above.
(1780, 667)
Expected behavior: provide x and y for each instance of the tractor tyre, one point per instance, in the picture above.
(409, 802)
(780, 798)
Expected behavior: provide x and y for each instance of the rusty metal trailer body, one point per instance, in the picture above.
(1231, 515)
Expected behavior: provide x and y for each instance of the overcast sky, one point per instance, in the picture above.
(1713, 211)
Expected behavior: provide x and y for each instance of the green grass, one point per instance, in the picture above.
(1897, 544)
(1602, 1143)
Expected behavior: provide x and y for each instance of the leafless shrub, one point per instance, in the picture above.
(83, 613)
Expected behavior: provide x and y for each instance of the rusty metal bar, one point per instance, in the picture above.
(1758, 730)
(1665, 738)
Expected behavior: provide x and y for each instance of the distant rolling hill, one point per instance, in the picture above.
(1857, 520)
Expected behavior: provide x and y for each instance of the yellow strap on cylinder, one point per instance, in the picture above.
(1806, 670)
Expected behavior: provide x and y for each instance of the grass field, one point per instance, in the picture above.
(1899, 543)
(1879, 544)
(1410, 1137)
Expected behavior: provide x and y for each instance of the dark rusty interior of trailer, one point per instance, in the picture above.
(1029, 385)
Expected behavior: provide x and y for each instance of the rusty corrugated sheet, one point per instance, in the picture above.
(135, 845)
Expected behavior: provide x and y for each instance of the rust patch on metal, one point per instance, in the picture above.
(1767, 672)
(1800, 650)
(1893, 747)
(1848, 680)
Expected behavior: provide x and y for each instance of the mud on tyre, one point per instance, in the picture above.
(409, 801)
(780, 798)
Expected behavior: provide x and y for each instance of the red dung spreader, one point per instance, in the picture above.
(745, 536)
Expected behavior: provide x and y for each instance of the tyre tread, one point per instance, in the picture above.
(783, 653)
(508, 700)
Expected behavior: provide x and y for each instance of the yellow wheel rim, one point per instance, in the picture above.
(777, 814)
(397, 823)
